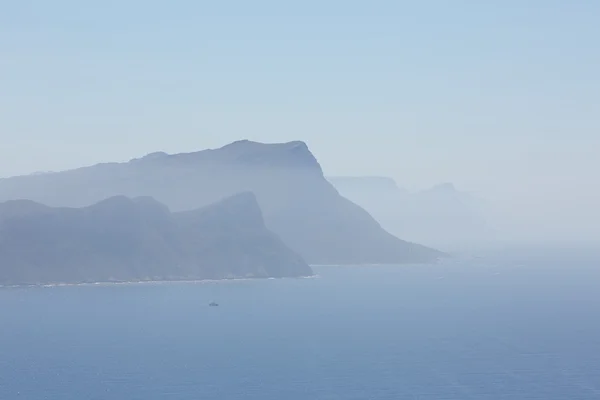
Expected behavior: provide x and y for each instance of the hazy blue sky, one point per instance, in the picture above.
(500, 97)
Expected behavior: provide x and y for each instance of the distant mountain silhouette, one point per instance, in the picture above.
(441, 216)
(367, 184)
(123, 239)
(298, 203)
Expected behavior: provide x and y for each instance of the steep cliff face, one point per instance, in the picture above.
(297, 202)
(122, 239)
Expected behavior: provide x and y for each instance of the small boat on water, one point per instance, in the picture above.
(213, 304)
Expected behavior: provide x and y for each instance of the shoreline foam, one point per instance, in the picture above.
(152, 282)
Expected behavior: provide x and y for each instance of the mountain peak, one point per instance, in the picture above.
(294, 154)
(242, 209)
(247, 144)
(13, 208)
(155, 155)
(242, 200)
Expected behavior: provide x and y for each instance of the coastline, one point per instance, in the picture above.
(149, 282)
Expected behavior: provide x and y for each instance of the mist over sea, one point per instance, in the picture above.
(519, 324)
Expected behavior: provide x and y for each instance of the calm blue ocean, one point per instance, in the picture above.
(519, 327)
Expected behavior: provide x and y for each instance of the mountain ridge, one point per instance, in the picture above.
(297, 202)
(441, 216)
(124, 239)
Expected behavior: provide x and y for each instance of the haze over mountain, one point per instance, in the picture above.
(123, 239)
(441, 216)
(298, 203)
